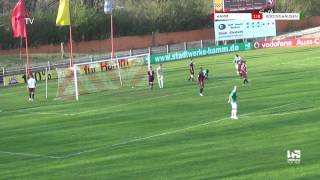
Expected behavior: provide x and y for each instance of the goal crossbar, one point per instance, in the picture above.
(113, 60)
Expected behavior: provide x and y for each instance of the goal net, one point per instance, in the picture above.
(105, 75)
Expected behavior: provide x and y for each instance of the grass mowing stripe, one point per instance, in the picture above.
(135, 139)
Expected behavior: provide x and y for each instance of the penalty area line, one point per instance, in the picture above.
(29, 155)
(291, 112)
(47, 113)
(55, 113)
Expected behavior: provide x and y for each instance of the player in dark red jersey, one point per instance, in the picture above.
(191, 70)
(150, 77)
(243, 71)
(201, 81)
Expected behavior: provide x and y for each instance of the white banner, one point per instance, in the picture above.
(264, 16)
(232, 16)
(281, 16)
(244, 29)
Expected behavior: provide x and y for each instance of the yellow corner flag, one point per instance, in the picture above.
(63, 18)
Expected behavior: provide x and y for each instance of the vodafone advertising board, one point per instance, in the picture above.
(287, 43)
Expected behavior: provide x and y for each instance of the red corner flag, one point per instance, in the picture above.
(18, 23)
(19, 27)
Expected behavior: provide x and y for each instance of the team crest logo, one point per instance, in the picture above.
(222, 26)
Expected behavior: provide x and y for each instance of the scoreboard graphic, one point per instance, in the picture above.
(242, 5)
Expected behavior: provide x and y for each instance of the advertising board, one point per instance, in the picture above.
(244, 29)
(199, 52)
(299, 42)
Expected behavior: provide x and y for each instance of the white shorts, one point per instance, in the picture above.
(234, 105)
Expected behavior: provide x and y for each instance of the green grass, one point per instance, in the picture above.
(173, 133)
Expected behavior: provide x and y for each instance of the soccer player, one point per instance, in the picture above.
(206, 74)
(243, 71)
(151, 77)
(191, 69)
(160, 76)
(31, 85)
(236, 60)
(201, 81)
(233, 101)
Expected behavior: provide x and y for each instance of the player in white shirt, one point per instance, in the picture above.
(236, 59)
(31, 85)
(160, 76)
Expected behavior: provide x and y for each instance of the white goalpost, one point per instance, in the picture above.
(46, 75)
(75, 81)
(104, 75)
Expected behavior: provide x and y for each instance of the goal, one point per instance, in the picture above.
(104, 75)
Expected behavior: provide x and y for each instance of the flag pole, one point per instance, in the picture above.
(112, 39)
(20, 50)
(71, 47)
(27, 53)
(112, 47)
(20, 64)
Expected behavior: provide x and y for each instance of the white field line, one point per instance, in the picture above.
(45, 113)
(55, 113)
(135, 139)
(27, 128)
(290, 112)
(300, 64)
(30, 155)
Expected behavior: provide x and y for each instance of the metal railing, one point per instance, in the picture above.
(298, 34)
(36, 67)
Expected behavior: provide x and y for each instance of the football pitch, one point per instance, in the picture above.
(173, 133)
